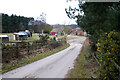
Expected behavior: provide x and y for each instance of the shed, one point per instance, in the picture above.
(20, 36)
(4, 38)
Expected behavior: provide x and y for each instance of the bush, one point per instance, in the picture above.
(109, 49)
(44, 39)
(53, 44)
(54, 38)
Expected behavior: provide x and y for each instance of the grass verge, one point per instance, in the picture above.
(85, 66)
(32, 59)
(69, 38)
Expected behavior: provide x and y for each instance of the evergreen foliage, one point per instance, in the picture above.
(14, 23)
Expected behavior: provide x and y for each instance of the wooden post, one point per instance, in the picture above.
(17, 52)
(28, 47)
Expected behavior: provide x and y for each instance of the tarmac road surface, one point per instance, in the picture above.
(54, 66)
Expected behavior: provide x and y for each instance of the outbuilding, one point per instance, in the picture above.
(20, 36)
(4, 38)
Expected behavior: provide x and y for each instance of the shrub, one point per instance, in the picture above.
(109, 49)
(44, 39)
(54, 38)
(53, 44)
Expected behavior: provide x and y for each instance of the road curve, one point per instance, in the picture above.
(54, 66)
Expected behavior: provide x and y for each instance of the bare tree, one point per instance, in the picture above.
(42, 19)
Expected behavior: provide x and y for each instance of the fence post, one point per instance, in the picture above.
(17, 50)
(36, 46)
(28, 47)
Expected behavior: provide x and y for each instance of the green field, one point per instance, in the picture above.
(33, 38)
(69, 38)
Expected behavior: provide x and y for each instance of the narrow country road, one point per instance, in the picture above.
(54, 66)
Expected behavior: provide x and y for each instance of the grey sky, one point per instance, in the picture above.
(54, 9)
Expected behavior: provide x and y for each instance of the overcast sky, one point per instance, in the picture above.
(54, 9)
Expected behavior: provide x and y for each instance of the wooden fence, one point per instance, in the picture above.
(11, 50)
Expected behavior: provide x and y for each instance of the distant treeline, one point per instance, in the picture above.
(14, 23)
